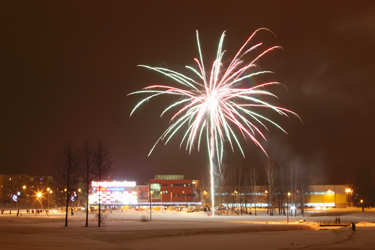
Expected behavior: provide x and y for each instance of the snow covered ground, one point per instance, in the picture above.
(178, 230)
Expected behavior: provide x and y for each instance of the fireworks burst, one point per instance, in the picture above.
(218, 105)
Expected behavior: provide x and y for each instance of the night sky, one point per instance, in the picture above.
(66, 68)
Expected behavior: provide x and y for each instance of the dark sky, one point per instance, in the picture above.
(66, 68)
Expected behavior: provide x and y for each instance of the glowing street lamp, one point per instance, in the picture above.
(50, 192)
(363, 205)
(348, 192)
(235, 197)
(287, 208)
(38, 195)
(161, 197)
(151, 192)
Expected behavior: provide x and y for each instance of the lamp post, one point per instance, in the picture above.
(287, 208)
(79, 195)
(48, 189)
(38, 195)
(50, 192)
(348, 192)
(150, 204)
(24, 187)
(363, 205)
(171, 198)
(185, 196)
(161, 197)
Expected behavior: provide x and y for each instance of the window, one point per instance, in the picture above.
(172, 185)
(184, 184)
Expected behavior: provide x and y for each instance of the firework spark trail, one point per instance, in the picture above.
(219, 104)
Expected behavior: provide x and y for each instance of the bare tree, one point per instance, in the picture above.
(102, 167)
(271, 178)
(240, 192)
(293, 185)
(86, 156)
(253, 183)
(303, 187)
(283, 188)
(66, 166)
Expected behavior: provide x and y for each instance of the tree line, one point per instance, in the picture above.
(84, 164)
(236, 185)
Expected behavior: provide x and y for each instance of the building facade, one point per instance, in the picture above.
(175, 190)
(20, 190)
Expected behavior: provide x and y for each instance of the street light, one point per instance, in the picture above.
(171, 198)
(363, 205)
(348, 192)
(151, 192)
(287, 208)
(235, 199)
(38, 195)
(161, 197)
(50, 192)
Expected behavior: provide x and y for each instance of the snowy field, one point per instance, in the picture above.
(180, 231)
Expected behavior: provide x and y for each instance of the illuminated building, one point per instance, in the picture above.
(117, 193)
(316, 196)
(21, 188)
(175, 190)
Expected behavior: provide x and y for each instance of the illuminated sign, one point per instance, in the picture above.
(15, 197)
(113, 192)
(115, 197)
(106, 184)
(108, 189)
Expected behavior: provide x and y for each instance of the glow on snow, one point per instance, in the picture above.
(216, 105)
